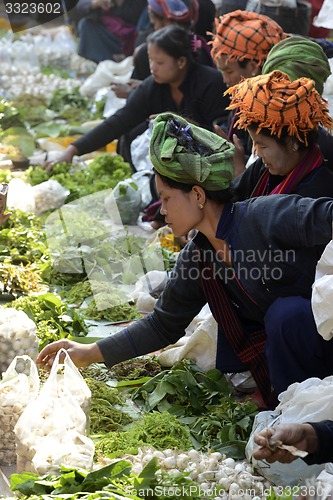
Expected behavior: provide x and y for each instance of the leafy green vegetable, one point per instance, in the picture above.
(54, 319)
(203, 401)
(160, 430)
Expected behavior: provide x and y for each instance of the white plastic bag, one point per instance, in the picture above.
(17, 336)
(61, 407)
(107, 72)
(16, 390)
(20, 196)
(140, 150)
(49, 195)
(325, 16)
(200, 346)
(308, 401)
(322, 293)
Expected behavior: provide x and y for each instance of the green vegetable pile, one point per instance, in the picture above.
(159, 430)
(54, 319)
(203, 401)
(104, 172)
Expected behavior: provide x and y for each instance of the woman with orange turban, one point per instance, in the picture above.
(282, 118)
(240, 47)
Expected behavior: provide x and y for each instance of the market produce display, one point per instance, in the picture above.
(135, 431)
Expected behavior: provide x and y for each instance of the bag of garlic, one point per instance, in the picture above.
(17, 336)
(17, 389)
(60, 408)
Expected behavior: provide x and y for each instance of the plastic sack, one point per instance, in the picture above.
(16, 390)
(112, 104)
(61, 449)
(20, 196)
(127, 197)
(308, 401)
(322, 293)
(140, 150)
(200, 346)
(49, 195)
(142, 179)
(17, 336)
(61, 407)
(107, 72)
(325, 16)
(147, 288)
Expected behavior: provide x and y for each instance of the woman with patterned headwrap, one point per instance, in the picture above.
(240, 45)
(283, 119)
(252, 261)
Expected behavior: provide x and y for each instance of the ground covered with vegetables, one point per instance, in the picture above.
(135, 431)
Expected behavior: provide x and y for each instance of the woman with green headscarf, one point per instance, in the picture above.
(253, 262)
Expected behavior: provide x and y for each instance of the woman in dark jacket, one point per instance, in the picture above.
(177, 83)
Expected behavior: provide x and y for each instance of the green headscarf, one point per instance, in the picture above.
(298, 57)
(190, 154)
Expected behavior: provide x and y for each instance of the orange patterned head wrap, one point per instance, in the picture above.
(245, 35)
(275, 102)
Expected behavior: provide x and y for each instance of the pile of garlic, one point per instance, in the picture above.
(222, 478)
(17, 337)
(35, 84)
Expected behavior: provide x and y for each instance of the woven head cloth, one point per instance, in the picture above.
(190, 154)
(298, 56)
(175, 10)
(275, 102)
(245, 35)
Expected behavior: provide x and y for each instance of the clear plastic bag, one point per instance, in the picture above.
(17, 389)
(61, 407)
(49, 195)
(307, 401)
(17, 336)
(127, 197)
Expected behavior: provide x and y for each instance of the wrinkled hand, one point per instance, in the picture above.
(82, 355)
(301, 436)
(122, 90)
(66, 156)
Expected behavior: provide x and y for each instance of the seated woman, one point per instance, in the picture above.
(107, 28)
(177, 84)
(268, 107)
(185, 13)
(253, 262)
(240, 46)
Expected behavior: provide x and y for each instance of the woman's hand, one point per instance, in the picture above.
(81, 354)
(66, 156)
(122, 90)
(301, 436)
(239, 154)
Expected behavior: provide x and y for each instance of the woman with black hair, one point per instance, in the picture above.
(177, 84)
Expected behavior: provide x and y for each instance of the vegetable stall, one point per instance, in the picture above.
(139, 430)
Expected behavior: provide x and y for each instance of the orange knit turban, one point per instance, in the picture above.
(245, 35)
(273, 101)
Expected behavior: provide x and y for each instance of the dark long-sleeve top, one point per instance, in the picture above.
(275, 243)
(318, 183)
(324, 453)
(203, 101)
